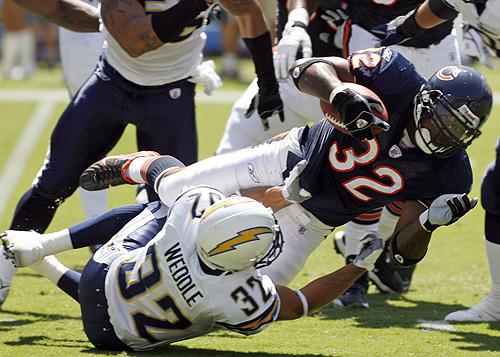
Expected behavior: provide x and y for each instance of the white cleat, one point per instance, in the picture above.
(7, 271)
(487, 310)
(24, 247)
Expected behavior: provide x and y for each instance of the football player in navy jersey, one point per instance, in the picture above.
(319, 178)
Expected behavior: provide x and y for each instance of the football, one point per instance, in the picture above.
(332, 116)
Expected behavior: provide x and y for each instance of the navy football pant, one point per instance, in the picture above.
(93, 123)
(490, 198)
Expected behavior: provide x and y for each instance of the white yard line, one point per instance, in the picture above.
(14, 167)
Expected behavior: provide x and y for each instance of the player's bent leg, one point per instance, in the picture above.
(28, 247)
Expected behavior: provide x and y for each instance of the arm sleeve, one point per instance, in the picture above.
(261, 165)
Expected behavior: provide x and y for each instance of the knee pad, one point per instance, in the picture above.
(398, 259)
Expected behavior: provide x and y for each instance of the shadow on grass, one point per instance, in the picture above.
(7, 322)
(397, 311)
(181, 351)
(47, 341)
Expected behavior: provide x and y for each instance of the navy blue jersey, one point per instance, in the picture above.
(347, 177)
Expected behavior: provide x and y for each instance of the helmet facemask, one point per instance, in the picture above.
(443, 124)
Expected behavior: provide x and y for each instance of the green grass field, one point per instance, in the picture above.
(39, 320)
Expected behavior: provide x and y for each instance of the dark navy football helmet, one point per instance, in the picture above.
(450, 108)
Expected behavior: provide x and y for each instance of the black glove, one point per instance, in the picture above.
(398, 31)
(267, 105)
(356, 112)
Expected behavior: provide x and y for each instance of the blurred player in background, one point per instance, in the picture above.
(178, 272)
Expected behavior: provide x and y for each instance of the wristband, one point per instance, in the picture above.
(425, 223)
(298, 15)
(410, 27)
(296, 72)
(260, 49)
(303, 300)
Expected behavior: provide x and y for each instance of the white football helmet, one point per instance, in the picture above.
(237, 233)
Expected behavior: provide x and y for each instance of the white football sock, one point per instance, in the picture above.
(353, 234)
(134, 169)
(50, 267)
(56, 242)
(93, 202)
(493, 253)
(387, 223)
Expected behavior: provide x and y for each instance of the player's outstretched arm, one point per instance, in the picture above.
(403, 28)
(138, 32)
(413, 231)
(319, 292)
(75, 15)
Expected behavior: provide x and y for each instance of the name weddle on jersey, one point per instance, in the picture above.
(220, 239)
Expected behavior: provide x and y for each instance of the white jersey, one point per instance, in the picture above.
(487, 22)
(160, 294)
(171, 62)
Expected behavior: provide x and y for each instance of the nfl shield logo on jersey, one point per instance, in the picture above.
(175, 93)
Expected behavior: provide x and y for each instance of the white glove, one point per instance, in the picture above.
(292, 191)
(207, 77)
(371, 248)
(295, 37)
(445, 210)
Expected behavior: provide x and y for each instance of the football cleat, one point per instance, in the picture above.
(488, 310)
(385, 276)
(357, 295)
(406, 275)
(7, 272)
(110, 171)
(22, 247)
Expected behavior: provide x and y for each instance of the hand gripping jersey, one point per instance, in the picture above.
(483, 16)
(169, 63)
(347, 177)
(160, 294)
(370, 13)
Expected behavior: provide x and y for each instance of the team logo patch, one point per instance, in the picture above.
(253, 174)
(244, 236)
(448, 73)
(395, 152)
(399, 258)
(175, 93)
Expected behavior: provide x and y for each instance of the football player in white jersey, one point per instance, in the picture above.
(178, 272)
